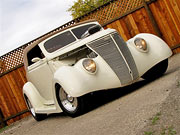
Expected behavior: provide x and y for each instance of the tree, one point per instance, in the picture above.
(82, 7)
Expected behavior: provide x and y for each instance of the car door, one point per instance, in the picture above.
(39, 73)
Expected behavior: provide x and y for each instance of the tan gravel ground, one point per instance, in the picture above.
(144, 108)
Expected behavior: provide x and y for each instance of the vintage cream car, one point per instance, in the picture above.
(83, 58)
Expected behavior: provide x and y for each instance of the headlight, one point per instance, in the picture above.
(140, 44)
(89, 65)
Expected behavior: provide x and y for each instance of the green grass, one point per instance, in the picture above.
(156, 118)
(4, 128)
(148, 133)
(171, 131)
(165, 130)
(168, 131)
(178, 84)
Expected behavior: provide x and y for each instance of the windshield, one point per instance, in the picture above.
(78, 32)
(59, 41)
(65, 38)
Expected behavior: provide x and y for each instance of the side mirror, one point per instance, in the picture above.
(94, 29)
(91, 31)
(36, 59)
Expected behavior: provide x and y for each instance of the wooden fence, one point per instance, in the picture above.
(129, 17)
(11, 98)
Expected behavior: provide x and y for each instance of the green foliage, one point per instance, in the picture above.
(178, 84)
(82, 7)
(163, 132)
(148, 133)
(155, 118)
(168, 131)
(171, 131)
(3, 129)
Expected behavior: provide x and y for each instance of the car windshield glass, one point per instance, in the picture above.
(78, 32)
(59, 41)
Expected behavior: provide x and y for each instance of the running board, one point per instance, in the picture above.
(49, 103)
(47, 109)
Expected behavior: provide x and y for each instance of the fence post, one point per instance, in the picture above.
(2, 122)
(152, 19)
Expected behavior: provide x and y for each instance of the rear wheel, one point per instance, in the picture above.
(37, 116)
(157, 71)
(72, 106)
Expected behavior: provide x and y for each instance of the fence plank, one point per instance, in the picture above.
(171, 11)
(162, 22)
(143, 22)
(22, 74)
(171, 23)
(18, 84)
(122, 30)
(176, 7)
(8, 106)
(2, 122)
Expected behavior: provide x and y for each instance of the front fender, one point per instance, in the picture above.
(158, 51)
(77, 82)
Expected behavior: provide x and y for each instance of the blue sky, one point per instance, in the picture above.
(24, 20)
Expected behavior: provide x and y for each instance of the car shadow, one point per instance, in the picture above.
(56, 115)
(103, 97)
(100, 98)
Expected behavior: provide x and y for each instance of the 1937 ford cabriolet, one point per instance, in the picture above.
(83, 58)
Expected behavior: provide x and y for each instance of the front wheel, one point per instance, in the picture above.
(157, 71)
(37, 116)
(72, 106)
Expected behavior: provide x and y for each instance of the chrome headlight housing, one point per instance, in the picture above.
(89, 65)
(140, 44)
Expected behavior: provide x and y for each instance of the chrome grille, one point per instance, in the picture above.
(108, 50)
(127, 54)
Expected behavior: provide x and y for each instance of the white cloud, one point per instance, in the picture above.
(25, 20)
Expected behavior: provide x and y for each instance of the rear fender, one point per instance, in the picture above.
(33, 95)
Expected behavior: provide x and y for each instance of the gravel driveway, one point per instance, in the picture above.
(144, 108)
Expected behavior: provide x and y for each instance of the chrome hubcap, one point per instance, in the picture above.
(70, 99)
(69, 103)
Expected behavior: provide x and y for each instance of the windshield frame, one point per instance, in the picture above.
(46, 53)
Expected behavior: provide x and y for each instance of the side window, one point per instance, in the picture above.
(34, 52)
